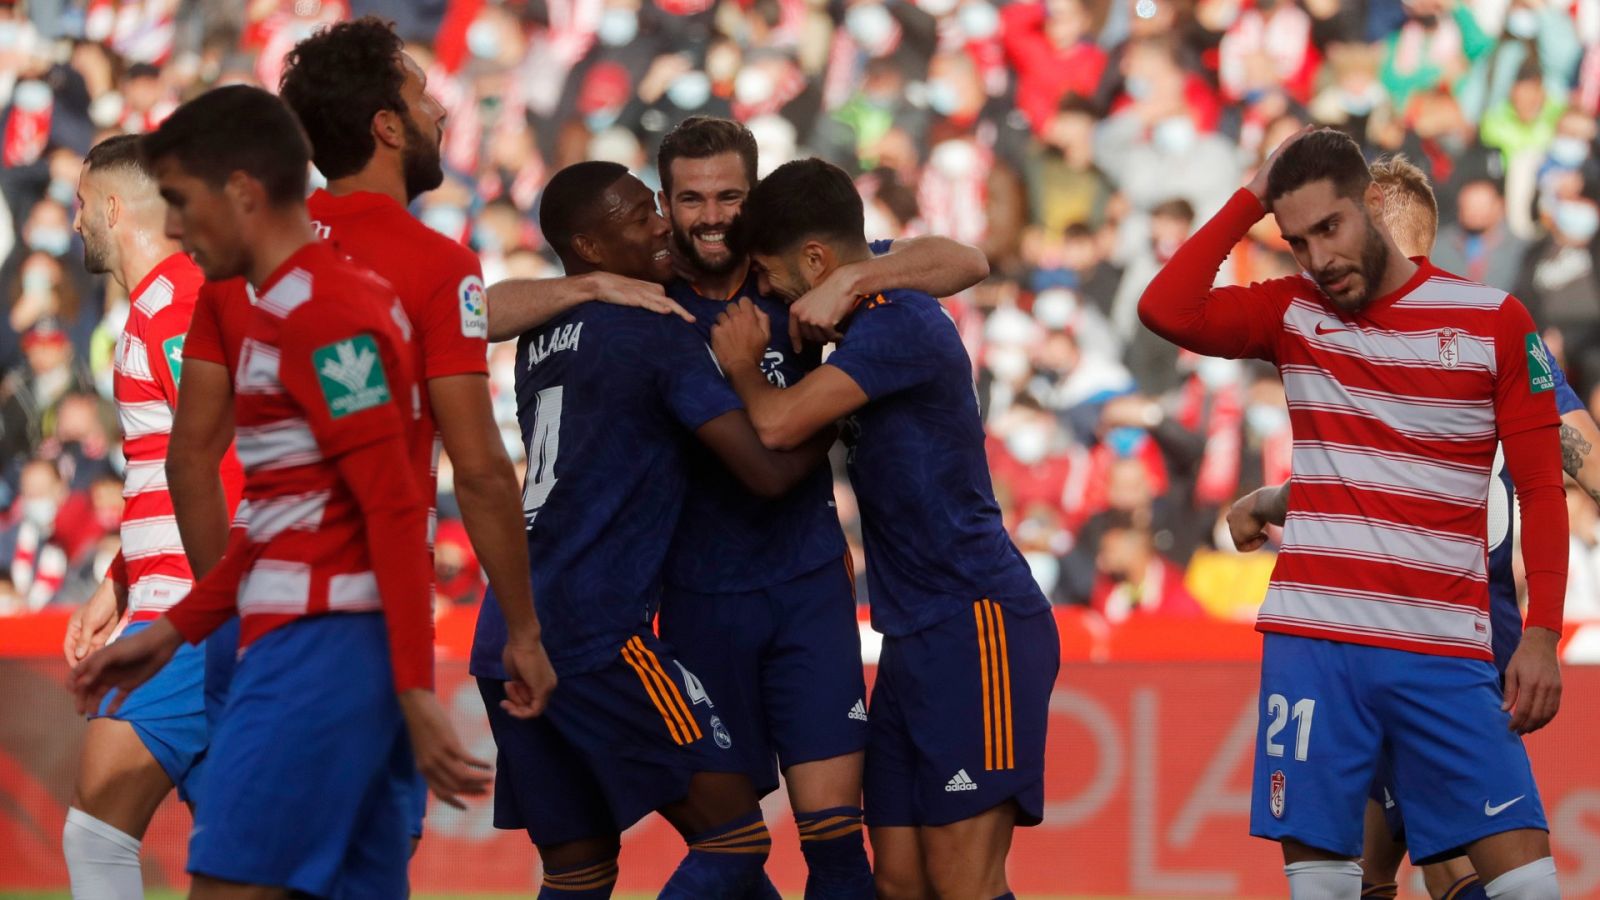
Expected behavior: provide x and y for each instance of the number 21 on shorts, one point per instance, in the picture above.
(1280, 712)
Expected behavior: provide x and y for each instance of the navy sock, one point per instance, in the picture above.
(1386, 891)
(1468, 888)
(723, 863)
(1007, 896)
(835, 855)
(588, 882)
(763, 889)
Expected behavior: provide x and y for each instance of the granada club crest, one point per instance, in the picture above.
(1275, 799)
(1449, 348)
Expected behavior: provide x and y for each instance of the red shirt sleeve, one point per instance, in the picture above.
(1533, 457)
(454, 330)
(1182, 306)
(205, 328)
(214, 599)
(1524, 394)
(165, 348)
(118, 571)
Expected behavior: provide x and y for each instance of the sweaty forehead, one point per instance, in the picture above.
(1301, 209)
(624, 198)
(711, 175)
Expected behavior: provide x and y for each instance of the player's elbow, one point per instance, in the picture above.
(484, 476)
(974, 263)
(777, 433)
(502, 323)
(188, 456)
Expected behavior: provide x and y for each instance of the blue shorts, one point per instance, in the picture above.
(222, 654)
(614, 745)
(168, 713)
(1333, 713)
(784, 663)
(959, 714)
(311, 777)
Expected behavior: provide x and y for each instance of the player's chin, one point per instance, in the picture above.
(661, 267)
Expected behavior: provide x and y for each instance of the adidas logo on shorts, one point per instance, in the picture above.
(960, 782)
(859, 711)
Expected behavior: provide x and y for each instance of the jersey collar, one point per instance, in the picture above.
(168, 266)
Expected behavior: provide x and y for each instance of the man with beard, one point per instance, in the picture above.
(134, 756)
(375, 133)
(1400, 379)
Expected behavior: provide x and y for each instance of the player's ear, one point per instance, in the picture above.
(387, 129)
(243, 193)
(113, 210)
(1373, 199)
(817, 257)
(661, 201)
(587, 248)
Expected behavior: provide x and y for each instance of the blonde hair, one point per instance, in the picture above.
(1410, 210)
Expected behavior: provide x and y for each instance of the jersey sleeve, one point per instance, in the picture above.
(1567, 399)
(164, 348)
(204, 341)
(1525, 379)
(455, 322)
(347, 372)
(879, 248)
(691, 381)
(887, 348)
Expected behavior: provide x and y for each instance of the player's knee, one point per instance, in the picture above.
(900, 882)
(579, 854)
(1534, 881)
(1324, 879)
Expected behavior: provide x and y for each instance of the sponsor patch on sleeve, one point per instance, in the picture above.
(474, 308)
(350, 373)
(1541, 371)
(172, 350)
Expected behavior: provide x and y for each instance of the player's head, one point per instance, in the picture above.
(799, 224)
(1329, 210)
(363, 99)
(228, 163)
(1410, 211)
(599, 218)
(707, 166)
(117, 202)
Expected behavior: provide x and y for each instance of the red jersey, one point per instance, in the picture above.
(145, 386)
(221, 316)
(1396, 411)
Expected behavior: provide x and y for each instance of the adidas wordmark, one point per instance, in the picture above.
(960, 782)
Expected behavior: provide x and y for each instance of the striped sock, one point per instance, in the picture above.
(723, 863)
(1468, 888)
(588, 882)
(835, 856)
(1386, 891)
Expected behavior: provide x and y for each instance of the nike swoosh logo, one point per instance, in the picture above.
(1321, 330)
(1497, 810)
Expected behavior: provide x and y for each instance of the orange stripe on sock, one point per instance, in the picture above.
(670, 689)
(1004, 691)
(841, 831)
(850, 572)
(829, 822)
(983, 667)
(630, 655)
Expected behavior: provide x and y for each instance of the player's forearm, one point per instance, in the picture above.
(933, 265)
(1531, 459)
(213, 601)
(521, 304)
(1580, 451)
(771, 409)
(380, 478)
(493, 517)
(1273, 505)
(1180, 305)
(199, 505)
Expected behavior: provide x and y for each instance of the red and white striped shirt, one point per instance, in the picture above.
(1396, 413)
(145, 387)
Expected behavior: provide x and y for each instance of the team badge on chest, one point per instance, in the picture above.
(1449, 348)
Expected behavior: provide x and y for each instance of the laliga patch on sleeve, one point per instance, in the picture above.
(1541, 371)
(351, 375)
(172, 349)
(474, 308)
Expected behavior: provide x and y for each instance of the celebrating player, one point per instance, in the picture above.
(133, 757)
(759, 599)
(1411, 214)
(329, 569)
(955, 754)
(1400, 378)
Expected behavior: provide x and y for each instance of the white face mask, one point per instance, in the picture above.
(753, 87)
(1008, 363)
(690, 91)
(1028, 444)
(872, 26)
(1569, 152)
(40, 511)
(54, 241)
(937, 8)
(1266, 421)
(978, 19)
(1578, 221)
(1522, 23)
(618, 27)
(483, 39)
(1217, 373)
(1055, 308)
(449, 221)
(31, 95)
(1174, 136)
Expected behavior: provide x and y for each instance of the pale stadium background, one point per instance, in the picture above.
(1076, 141)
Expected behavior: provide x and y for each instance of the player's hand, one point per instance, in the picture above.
(1533, 681)
(815, 317)
(619, 290)
(530, 679)
(124, 665)
(741, 334)
(1258, 184)
(93, 623)
(1249, 517)
(450, 772)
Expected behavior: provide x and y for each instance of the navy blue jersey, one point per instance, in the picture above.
(607, 397)
(1505, 618)
(934, 539)
(728, 539)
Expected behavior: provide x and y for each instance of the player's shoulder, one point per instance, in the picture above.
(904, 307)
(1442, 291)
(170, 290)
(327, 293)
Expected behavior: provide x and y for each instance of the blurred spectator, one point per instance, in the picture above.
(1524, 123)
(1132, 579)
(1562, 288)
(1053, 52)
(29, 395)
(1477, 244)
(1583, 560)
(29, 543)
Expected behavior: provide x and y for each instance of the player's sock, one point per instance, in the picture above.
(1468, 888)
(763, 889)
(102, 861)
(1386, 891)
(1534, 881)
(836, 857)
(724, 862)
(1324, 879)
(1007, 896)
(587, 882)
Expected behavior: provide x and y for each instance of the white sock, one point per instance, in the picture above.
(1324, 879)
(102, 862)
(1534, 881)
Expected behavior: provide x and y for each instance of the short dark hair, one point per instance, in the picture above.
(807, 198)
(117, 153)
(1321, 154)
(230, 129)
(702, 137)
(570, 202)
(336, 81)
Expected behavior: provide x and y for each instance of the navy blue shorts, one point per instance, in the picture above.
(959, 715)
(614, 745)
(168, 714)
(311, 775)
(784, 663)
(1332, 714)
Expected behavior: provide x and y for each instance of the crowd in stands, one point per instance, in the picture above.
(1078, 142)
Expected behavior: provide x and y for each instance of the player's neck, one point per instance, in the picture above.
(278, 239)
(1397, 273)
(372, 179)
(723, 286)
(140, 257)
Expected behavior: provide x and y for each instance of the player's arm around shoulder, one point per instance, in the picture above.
(935, 265)
(517, 305)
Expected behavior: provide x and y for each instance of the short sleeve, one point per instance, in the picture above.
(455, 322)
(888, 347)
(205, 328)
(347, 374)
(691, 381)
(1525, 381)
(1567, 399)
(164, 348)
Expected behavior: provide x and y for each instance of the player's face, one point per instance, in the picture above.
(780, 276)
(1334, 239)
(202, 219)
(90, 223)
(707, 195)
(633, 236)
(424, 126)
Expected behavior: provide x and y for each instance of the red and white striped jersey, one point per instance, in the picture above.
(145, 387)
(1396, 413)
